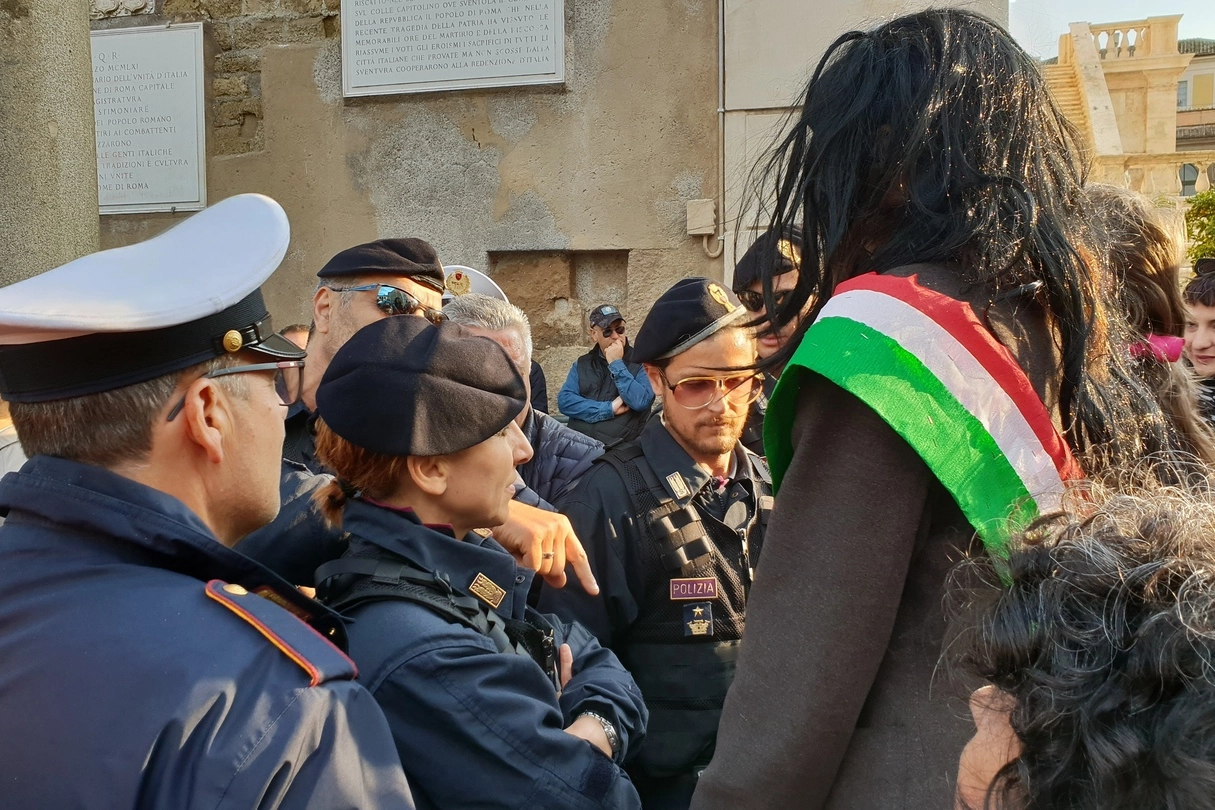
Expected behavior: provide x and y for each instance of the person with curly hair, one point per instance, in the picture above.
(1098, 649)
(963, 359)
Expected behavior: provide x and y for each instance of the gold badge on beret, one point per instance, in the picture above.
(719, 295)
(459, 283)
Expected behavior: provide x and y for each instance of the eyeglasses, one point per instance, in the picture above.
(754, 301)
(288, 381)
(395, 301)
(695, 393)
(619, 330)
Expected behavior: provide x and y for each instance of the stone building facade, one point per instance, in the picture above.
(568, 195)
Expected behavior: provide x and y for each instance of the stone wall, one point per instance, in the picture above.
(568, 195)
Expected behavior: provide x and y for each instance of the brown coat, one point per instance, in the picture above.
(838, 702)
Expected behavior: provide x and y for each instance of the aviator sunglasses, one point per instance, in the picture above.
(609, 331)
(695, 393)
(395, 301)
(288, 381)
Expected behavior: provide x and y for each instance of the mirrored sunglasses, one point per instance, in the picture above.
(395, 301)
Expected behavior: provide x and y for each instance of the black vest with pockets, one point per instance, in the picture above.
(595, 382)
(684, 678)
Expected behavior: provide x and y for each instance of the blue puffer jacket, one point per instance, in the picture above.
(560, 457)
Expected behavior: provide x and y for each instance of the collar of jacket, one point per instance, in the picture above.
(95, 501)
(671, 462)
(436, 549)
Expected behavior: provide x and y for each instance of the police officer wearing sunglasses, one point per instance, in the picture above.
(673, 524)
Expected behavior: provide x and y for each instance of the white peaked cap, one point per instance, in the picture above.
(129, 314)
(477, 282)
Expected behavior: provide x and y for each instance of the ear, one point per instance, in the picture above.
(656, 382)
(323, 304)
(429, 473)
(207, 419)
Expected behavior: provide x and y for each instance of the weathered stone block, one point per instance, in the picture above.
(238, 62)
(303, 6)
(228, 113)
(256, 33)
(304, 29)
(230, 86)
(261, 7)
(221, 9)
(175, 7)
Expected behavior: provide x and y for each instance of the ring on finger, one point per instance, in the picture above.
(548, 555)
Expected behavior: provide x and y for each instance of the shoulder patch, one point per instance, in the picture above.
(311, 651)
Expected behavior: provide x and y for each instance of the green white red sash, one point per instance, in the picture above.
(923, 362)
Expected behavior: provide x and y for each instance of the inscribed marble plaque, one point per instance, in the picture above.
(148, 104)
(412, 46)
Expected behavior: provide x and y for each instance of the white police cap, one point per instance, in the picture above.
(463, 280)
(123, 316)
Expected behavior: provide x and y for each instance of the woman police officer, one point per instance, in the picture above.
(489, 701)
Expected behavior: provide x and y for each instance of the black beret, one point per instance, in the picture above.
(412, 258)
(405, 387)
(750, 267)
(684, 315)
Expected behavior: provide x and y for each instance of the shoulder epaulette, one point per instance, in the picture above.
(295, 639)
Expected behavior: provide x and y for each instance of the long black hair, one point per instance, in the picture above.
(933, 138)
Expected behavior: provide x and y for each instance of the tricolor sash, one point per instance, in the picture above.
(923, 362)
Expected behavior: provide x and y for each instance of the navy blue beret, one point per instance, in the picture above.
(405, 387)
(412, 258)
(684, 315)
(781, 252)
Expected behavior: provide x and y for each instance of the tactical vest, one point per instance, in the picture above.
(375, 576)
(682, 648)
(595, 382)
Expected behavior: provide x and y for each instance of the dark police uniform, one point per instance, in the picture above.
(479, 726)
(675, 627)
(146, 664)
(144, 668)
(674, 551)
(466, 672)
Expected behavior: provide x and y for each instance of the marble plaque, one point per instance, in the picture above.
(412, 46)
(148, 103)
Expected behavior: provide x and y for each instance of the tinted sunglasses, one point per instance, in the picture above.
(694, 393)
(609, 331)
(754, 301)
(288, 381)
(395, 301)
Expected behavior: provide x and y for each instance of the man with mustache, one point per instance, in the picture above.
(673, 524)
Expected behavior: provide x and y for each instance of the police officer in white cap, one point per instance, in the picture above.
(147, 664)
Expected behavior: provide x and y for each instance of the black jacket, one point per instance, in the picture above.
(560, 457)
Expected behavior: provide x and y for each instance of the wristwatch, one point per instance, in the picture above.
(609, 731)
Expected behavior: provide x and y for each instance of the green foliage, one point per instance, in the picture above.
(1200, 225)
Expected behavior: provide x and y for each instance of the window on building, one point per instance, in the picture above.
(1183, 95)
(1189, 179)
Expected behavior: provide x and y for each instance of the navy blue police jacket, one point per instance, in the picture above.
(477, 727)
(140, 667)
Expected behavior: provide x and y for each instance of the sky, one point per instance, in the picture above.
(1038, 24)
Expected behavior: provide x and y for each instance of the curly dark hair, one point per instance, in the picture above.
(933, 138)
(1105, 639)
